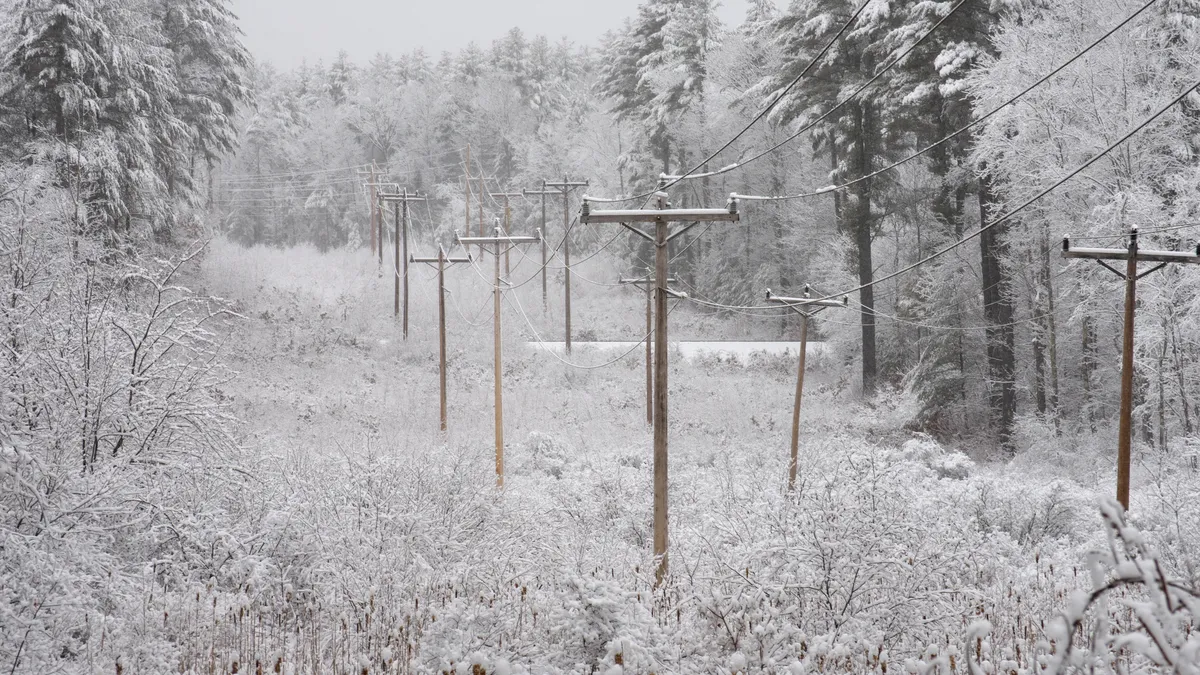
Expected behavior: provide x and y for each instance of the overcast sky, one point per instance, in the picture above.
(287, 32)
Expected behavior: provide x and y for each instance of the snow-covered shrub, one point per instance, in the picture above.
(112, 434)
(1135, 619)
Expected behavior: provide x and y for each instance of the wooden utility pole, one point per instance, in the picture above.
(507, 221)
(661, 217)
(806, 308)
(1132, 255)
(647, 282)
(401, 237)
(498, 240)
(374, 206)
(441, 260)
(565, 187)
(545, 262)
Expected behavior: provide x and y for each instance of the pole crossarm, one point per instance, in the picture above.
(623, 216)
(565, 184)
(679, 295)
(1132, 255)
(401, 197)
(436, 259)
(805, 302)
(499, 239)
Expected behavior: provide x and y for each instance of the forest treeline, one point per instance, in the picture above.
(999, 339)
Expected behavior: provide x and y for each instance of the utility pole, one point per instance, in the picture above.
(507, 221)
(806, 308)
(441, 259)
(565, 187)
(498, 240)
(373, 206)
(401, 236)
(661, 217)
(1132, 255)
(377, 192)
(543, 192)
(647, 282)
(467, 181)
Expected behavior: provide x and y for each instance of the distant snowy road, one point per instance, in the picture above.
(690, 350)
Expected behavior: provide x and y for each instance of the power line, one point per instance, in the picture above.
(763, 113)
(606, 364)
(840, 104)
(1029, 201)
(971, 125)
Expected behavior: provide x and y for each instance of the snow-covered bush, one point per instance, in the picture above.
(112, 435)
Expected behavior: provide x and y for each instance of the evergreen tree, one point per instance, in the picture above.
(857, 137)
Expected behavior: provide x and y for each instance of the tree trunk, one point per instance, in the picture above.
(861, 226)
(998, 316)
(1086, 367)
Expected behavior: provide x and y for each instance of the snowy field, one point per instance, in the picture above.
(339, 531)
(381, 545)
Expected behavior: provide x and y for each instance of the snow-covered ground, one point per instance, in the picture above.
(347, 534)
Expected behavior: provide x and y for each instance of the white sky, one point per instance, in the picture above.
(287, 32)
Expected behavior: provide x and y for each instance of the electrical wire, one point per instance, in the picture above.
(469, 322)
(578, 366)
(763, 113)
(977, 121)
(1009, 214)
(838, 106)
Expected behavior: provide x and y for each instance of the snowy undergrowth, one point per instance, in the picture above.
(351, 537)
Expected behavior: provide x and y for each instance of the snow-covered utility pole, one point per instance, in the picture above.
(401, 237)
(543, 192)
(369, 185)
(806, 308)
(507, 220)
(662, 217)
(565, 187)
(647, 282)
(441, 260)
(1132, 256)
(498, 240)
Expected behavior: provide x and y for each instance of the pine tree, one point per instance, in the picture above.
(857, 137)
(211, 66)
(931, 84)
(60, 57)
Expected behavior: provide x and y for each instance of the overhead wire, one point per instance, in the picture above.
(1009, 214)
(838, 106)
(761, 114)
(977, 121)
(606, 364)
